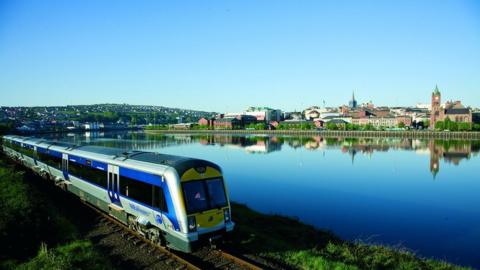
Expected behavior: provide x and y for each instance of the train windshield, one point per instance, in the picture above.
(204, 195)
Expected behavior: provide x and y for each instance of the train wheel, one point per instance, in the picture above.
(132, 223)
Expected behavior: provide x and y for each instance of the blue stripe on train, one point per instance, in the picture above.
(155, 180)
(141, 176)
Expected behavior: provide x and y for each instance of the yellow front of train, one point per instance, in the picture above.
(206, 203)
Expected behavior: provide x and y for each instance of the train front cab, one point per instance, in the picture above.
(206, 203)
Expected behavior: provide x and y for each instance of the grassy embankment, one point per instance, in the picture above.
(30, 224)
(302, 246)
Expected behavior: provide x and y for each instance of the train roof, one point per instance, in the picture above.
(180, 163)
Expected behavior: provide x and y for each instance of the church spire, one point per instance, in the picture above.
(436, 91)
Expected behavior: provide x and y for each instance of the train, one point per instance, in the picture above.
(178, 202)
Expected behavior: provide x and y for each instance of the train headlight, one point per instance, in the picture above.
(226, 215)
(192, 224)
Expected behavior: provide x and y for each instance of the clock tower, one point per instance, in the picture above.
(435, 114)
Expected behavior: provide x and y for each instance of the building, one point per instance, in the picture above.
(264, 114)
(476, 117)
(227, 123)
(206, 122)
(379, 112)
(406, 120)
(376, 121)
(436, 107)
(312, 113)
(454, 111)
(353, 103)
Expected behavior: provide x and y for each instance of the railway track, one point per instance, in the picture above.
(205, 258)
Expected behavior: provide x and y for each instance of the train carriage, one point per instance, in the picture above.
(175, 201)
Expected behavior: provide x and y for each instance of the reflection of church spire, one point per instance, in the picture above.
(353, 152)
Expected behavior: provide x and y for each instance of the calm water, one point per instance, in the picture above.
(418, 194)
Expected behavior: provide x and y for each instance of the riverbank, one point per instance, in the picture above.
(337, 133)
(295, 245)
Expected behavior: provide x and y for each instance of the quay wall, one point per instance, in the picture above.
(449, 135)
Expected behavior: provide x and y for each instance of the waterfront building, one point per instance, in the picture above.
(454, 111)
(295, 116)
(388, 121)
(264, 114)
(206, 122)
(311, 113)
(406, 120)
(227, 123)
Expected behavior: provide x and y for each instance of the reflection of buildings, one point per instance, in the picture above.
(450, 151)
(264, 146)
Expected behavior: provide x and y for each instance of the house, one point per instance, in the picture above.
(206, 122)
(376, 121)
(406, 120)
(227, 123)
(312, 113)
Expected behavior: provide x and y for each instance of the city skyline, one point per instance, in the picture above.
(226, 56)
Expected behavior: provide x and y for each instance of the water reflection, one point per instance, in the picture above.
(451, 151)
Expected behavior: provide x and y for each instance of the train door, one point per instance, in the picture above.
(113, 184)
(65, 166)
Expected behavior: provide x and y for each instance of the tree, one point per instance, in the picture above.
(260, 126)
(462, 126)
(439, 125)
(331, 126)
(368, 126)
(401, 125)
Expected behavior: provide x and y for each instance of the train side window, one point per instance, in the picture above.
(88, 173)
(139, 191)
(26, 150)
(158, 199)
(50, 160)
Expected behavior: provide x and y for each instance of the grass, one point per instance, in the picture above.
(289, 242)
(29, 220)
(79, 254)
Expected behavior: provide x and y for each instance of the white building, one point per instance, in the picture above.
(264, 114)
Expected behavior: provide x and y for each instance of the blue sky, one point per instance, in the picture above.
(227, 55)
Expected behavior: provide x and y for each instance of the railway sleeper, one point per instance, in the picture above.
(223, 264)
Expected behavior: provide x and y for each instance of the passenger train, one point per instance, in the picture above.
(174, 201)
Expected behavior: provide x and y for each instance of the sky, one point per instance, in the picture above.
(228, 55)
